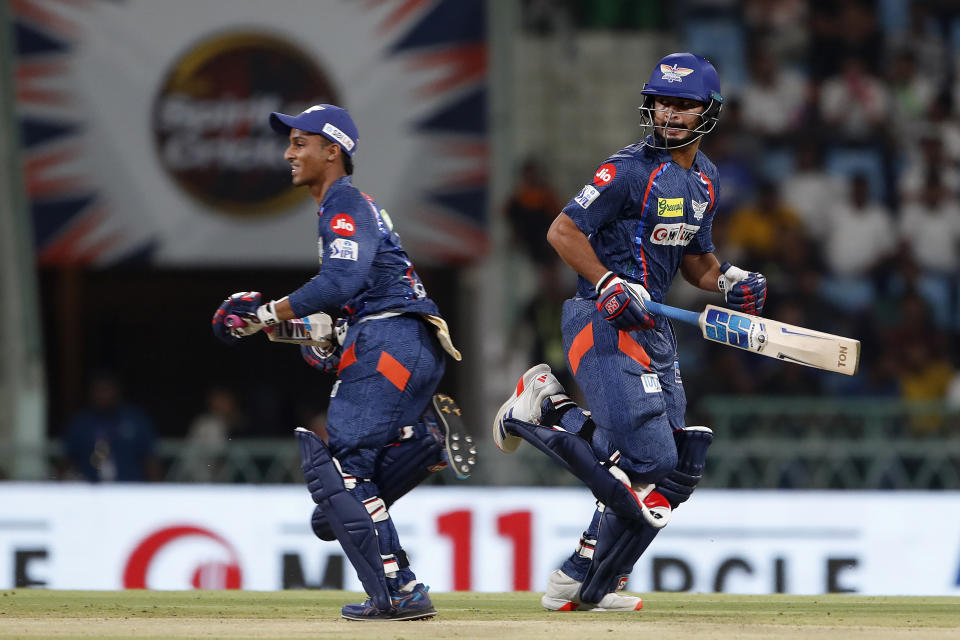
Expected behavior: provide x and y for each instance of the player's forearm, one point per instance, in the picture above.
(283, 310)
(702, 271)
(321, 293)
(574, 248)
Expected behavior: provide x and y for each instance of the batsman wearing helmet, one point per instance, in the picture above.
(645, 214)
(388, 355)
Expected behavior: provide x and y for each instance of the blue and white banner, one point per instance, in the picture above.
(76, 536)
(144, 124)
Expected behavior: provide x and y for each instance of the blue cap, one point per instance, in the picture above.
(328, 120)
(684, 75)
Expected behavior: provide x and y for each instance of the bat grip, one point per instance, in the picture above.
(680, 315)
(233, 320)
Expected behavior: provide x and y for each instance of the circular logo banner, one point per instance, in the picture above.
(210, 117)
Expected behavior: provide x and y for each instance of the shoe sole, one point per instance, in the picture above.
(459, 445)
(399, 616)
(568, 605)
(506, 442)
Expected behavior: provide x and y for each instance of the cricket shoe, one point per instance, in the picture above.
(563, 594)
(461, 451)
(535, 387)
(407, 605)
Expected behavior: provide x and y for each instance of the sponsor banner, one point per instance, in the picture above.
(146, 137)
(73, 536)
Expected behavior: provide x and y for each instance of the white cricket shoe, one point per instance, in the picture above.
(525, 403)
(563, 594)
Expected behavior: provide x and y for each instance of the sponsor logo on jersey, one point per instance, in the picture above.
(604, 175)
(699, 208)
(676, 372)
(586, 196)
(670, 207)
(674, 73)
(342, 224)
(651, 383)
(674, 235)
(343, 249)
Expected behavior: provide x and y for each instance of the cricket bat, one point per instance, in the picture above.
(313, 330)
(769, 338)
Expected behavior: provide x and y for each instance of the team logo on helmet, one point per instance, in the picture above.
(674, 73)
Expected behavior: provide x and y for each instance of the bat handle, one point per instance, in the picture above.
(233, 320)
(680, 315)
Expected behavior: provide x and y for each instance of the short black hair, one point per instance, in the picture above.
(347, 160)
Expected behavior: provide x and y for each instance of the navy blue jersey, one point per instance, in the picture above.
(642, 213)
(363, 267)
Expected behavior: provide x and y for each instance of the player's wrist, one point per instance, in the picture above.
(729, 276)
(605, 281)
(267, 313)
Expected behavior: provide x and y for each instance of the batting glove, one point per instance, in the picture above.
(621, 303)
(245, 304)
(321, 359)
(743, 290)
(220, 330)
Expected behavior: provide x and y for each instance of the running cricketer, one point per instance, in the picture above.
(390, 361)
(645, 214)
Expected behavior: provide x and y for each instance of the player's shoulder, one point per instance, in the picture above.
(632, 161)
(344, 195)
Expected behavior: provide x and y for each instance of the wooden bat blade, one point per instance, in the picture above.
(769, 338)
(780, 340)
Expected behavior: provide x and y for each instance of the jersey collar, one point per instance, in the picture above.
(342, 183)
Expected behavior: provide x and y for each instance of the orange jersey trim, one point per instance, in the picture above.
(633, 349)
(393, 371)
(580, 345)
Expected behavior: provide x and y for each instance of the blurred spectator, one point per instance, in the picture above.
(774, 99)
(930, 230)
(811, 191)
(111, 440)
(921, 37)
(209, 433)
(861, 237)
(912, 91)
(943, 125)
(755, 229)
(732, 150)
(540, 329)
(780, 25)
(931, 158)
(841, 29)
(531, 208)
(930, 225)
(854, 102)
(920, 350)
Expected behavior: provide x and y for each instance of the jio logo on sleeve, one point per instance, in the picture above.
(342, 224)
(604, 175)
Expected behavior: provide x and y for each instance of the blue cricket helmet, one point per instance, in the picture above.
(683, 75)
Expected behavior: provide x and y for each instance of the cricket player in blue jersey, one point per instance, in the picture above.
(646, 213)
(389, 361)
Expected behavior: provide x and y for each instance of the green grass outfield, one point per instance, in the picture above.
(235, 615)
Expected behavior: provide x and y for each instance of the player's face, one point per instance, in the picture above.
(307, 157)
(676, 118)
